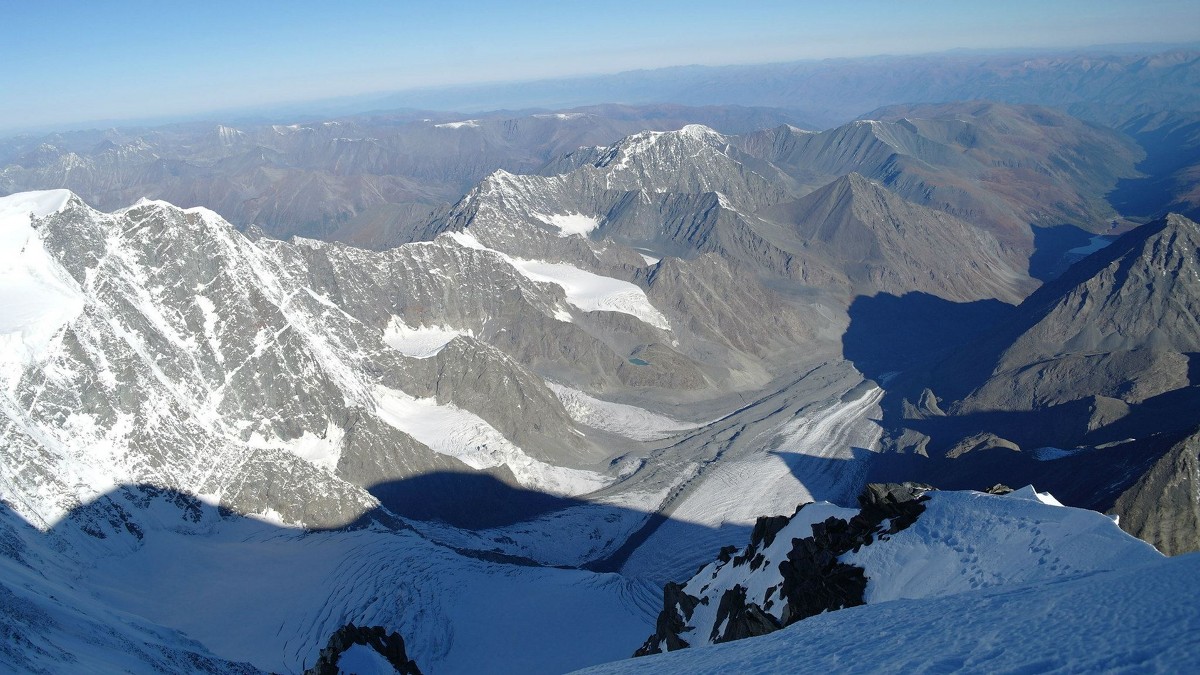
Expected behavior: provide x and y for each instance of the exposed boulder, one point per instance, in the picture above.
(389, 645)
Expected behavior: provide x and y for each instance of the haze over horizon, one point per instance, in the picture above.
(78, 63)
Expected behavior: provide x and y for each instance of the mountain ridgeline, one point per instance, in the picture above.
(581, 353)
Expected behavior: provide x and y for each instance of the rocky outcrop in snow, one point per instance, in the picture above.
(904, 541)
(389, 646)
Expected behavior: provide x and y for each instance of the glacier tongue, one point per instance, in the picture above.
(452, 431)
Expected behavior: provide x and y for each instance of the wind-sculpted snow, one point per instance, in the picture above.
(198, 591)
(1134, 618)
(949, 542)
(37, 295)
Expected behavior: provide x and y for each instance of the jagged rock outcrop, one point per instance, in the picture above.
(1163, 506)
(811, 578)
(388, 645)
(905, 540)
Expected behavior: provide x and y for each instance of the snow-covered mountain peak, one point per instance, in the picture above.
(162, 346)
(662, 146)
(701, 132)
(39, 297)
(35, 204)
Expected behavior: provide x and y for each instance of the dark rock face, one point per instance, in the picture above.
(389, 645)
(741, 619)
(813, 579)
(1163, 507)
(677, 610)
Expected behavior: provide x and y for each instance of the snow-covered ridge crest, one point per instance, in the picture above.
(39, 297)
(905, 542)
(661, 146)
(202, 361)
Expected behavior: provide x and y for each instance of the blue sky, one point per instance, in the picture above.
(69, 62)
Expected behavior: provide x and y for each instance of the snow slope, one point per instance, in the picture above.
(570, 223)
(421, 342)
(1140, 618)
(960, 542)
(449, 430)
(619, 418)
(290, 590)
(37, 295)
(588, 291)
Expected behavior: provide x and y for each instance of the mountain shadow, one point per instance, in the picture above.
(889, 334)
(830, 479)
(833, 479)
(1166, 180)
(1091, 478)
(473, 501)
(1058, 247)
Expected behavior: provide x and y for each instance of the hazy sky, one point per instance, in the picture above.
(80, 61)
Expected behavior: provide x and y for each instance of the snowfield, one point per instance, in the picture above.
(421, 342)
(618, 418)
(588, 291)
(37, 295)
(593, 292)
(450, 430)
(570, 223)
(1130, 620)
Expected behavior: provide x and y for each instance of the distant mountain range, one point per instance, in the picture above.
(1103, 84)
(585, 353)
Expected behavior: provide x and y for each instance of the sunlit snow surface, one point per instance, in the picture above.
(586, 290)
(37, 296)
(570, 223)
(592, 292)
(420, 342)
(450, 430)
(1139, 619)
(626, 420)
(464, 124)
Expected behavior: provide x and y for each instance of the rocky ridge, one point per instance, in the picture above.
(905, 541)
